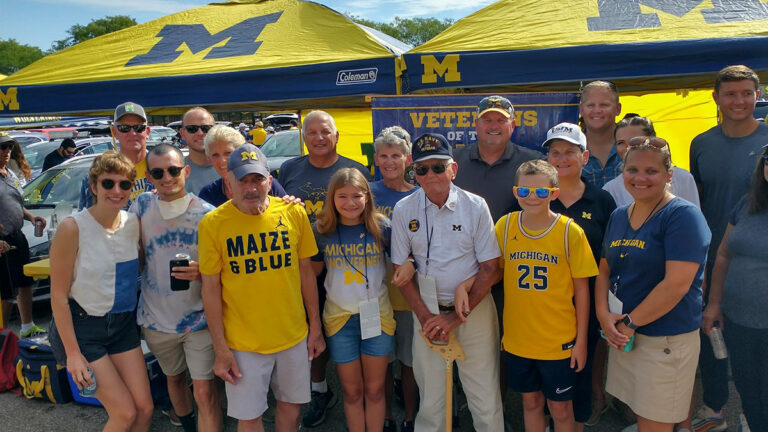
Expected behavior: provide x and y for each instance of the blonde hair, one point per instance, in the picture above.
(535, 167)
(111, 162)
(328, 218)
(225, 134)
(605, 85)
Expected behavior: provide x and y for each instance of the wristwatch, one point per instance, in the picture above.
(628, 322)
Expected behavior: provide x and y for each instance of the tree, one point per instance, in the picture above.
(413, 31)
(98, 27)
(14, 56)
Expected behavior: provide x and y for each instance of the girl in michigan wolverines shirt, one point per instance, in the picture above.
(358, 317)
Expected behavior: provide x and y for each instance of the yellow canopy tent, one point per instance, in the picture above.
(237, 54)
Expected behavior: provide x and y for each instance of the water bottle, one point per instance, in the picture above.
(52, 228)
(718, 343)
(90, 390)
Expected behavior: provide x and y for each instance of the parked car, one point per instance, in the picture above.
(161, 134)
(281, 121)
(281, 147)
(25, 138)
(55, 190)
(36, 153)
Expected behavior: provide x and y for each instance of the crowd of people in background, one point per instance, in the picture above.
(598, 266)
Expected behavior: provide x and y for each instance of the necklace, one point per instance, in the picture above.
(623, 254)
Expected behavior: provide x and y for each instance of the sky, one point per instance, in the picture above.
(40, 22)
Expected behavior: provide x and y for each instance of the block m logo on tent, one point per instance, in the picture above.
(9, 98)
(448, 68)
(242, 40)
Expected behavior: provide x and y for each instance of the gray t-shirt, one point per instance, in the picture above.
(492, 182)
(11, 203)
(199, 176)
(745, 292)
(303, 180)
(723, 166)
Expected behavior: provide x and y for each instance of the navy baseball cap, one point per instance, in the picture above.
(431, 146)
(497, 103)
(247, 159)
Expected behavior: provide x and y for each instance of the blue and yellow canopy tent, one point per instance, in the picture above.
(641, 45)
(657, 52)
(256, 54)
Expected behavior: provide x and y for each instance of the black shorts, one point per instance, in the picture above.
(554, 378)
(97, 336)
(12, 266)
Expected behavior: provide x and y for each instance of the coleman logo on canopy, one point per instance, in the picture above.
(626, 14)
(242, 40)
(356, 76)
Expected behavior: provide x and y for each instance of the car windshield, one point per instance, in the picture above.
(58, 184)
(25, 140)
(282, 144)
(36, 153)
(160, 133)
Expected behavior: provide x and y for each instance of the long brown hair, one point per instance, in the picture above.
(328, 218)
(758, 193)
(18, 156)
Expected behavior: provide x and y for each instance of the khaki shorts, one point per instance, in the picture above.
(656, 378)
(286, 372)
(179, 352)
(403, 338)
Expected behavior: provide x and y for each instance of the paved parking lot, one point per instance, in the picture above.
(19, 414)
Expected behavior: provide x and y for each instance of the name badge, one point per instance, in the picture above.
(428, 292)
(370, 319)
(615, 306)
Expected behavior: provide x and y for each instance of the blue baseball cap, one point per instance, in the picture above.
(431, 146)
(247, 159)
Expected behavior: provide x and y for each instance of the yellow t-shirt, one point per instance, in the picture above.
(399, 303)
(258, 260)
(539, 315)
(141, 182)
(258, 136)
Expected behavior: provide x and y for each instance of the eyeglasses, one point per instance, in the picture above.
(108, 184)
(422, 170)
(6, 146)
(123, 128)
(542, 192)
(157, 173)
(659, 143)
(194, 128)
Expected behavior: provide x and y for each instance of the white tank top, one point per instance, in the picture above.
(105, 277)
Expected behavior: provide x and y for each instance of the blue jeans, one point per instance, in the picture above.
(748, 350)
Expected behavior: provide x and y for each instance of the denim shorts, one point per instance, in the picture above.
(97, 336)
(346, 345)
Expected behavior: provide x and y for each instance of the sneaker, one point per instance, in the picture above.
(33, 331)
(171, 414)
(320, 403)
(709, 420)
(743, 425)
(597, 412)
(389, 426)
(407, 426)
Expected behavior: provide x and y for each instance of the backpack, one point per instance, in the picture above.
(9, 349)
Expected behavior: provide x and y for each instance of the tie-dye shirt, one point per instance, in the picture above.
(160, 308)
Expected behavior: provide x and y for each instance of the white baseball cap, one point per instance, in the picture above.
(567, 132)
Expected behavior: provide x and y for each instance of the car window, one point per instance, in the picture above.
(285, 144)
(56, 185)
(26, 140)
(35, 154)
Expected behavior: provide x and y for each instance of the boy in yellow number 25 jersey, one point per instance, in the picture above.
(546, 260)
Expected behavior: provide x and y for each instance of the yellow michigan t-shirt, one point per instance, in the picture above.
(539, 267)
(258, 259)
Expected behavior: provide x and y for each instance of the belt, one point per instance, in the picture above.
(446, 307)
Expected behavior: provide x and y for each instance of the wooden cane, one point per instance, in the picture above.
(449, 352)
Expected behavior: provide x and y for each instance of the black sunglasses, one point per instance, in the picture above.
(157, 173)
(6, 146)
(422, 170)
(108, 184)
(139, 128)
(194, 128)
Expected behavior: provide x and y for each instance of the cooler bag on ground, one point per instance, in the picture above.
(38, 374)
(9, 349)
